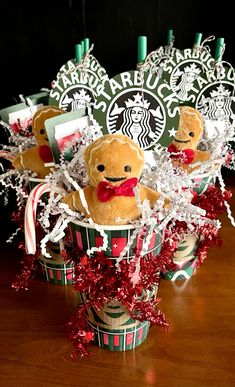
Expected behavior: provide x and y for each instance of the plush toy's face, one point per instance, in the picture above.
(38, 124)
(190, 129)
(113, 158)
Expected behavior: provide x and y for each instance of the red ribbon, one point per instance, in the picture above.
(45, 153)
(106, 191)
(185, 155)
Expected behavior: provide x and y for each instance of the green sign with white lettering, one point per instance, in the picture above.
(140, 106)
(182, 71)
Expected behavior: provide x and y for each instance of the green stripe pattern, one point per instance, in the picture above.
(201, 186)
(57, 273)
(86, 238)
(114, 328)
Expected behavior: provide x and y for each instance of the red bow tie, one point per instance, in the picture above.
(106, 191)
(45, 153)
(186, 156)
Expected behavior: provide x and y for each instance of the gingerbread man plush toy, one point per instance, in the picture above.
(36, 157)
(184, 147)
(114, 164)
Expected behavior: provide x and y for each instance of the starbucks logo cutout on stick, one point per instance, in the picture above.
(157, 60)
(216, 100)
(183, 69)
(91, 65)
(75, 89)
(141, 107)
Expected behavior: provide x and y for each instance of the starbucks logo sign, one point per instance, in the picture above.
(216, 102)
(75, 98)
(91, 65)
(144, 109)
(75, 89)
(182, 71)
(158, 59)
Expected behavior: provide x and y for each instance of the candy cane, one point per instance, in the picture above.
(30, 214)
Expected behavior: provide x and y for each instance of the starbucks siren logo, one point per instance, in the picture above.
(75, 89)
(134, 118)
(215, 102)
(182, 80)
(75, 98)
(182, 71)
(143, 108)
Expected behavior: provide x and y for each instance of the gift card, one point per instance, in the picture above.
(25, 110)
(64, 130)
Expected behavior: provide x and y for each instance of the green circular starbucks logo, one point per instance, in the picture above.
(216, 102)
(91, 65)
(158, 59)
(76, 88)
(142, 107)
(182, 71)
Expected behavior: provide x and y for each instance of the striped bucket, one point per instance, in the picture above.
(55, 270)
(184, 259)
(85, 236)
(202, 182)
(113, 327)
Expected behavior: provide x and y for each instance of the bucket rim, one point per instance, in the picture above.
(106, 227)
(37, 180)
(200, 176)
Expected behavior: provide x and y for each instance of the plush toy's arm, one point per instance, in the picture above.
(149, 194)
(18, 162)
(152, 196)
(31, 160)
(74, 201)
(201, 156)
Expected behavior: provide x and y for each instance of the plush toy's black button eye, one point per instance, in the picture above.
(191, 134)
(42, 131)
(101, 167)
(127, 168)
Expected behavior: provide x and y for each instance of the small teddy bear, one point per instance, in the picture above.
(187, 139)
(114, 164)
(35, 158)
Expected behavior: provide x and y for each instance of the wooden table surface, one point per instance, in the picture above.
(198, 350)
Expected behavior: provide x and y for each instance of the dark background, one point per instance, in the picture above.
(37, 37)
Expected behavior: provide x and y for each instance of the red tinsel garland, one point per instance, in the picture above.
(213, 202)
(102, 282)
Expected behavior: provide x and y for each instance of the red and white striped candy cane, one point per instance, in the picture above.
(31, 212)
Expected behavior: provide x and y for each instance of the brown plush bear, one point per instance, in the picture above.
(114, 164)
(187, 138)
(35, 158)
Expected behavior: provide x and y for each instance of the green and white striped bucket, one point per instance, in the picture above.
(85, 236)
(202, 182)
(114, 328)
(184, 259)
(55, 269)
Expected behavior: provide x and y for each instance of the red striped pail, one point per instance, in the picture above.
(55, 270)
(113, 327)
(202, 182)
(85, 236)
